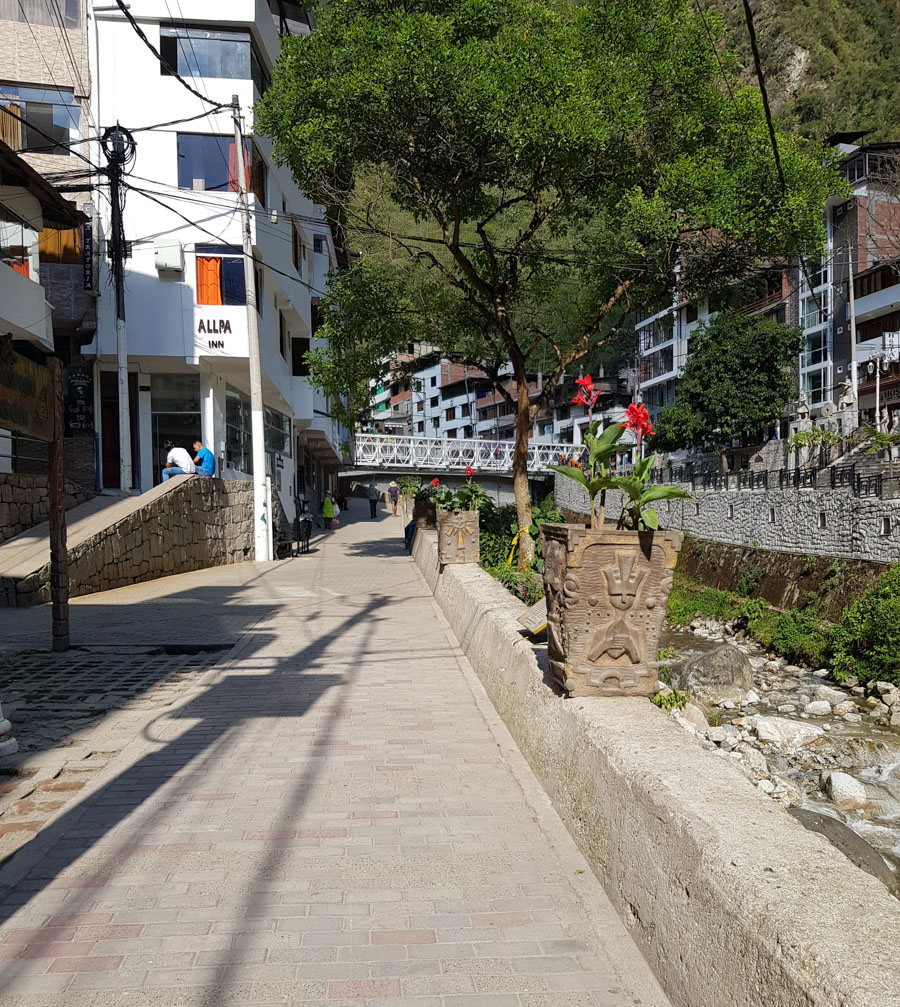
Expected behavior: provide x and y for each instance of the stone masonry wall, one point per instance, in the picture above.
(815, 522)
(188, 524)
(25, 502)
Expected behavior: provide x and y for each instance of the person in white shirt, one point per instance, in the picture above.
(178, 462)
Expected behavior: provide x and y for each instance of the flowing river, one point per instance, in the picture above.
(861, 748)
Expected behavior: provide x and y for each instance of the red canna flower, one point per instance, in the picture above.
(470, 471)
(587, 383)
(435, 482)
(579, 400)
(637, 419)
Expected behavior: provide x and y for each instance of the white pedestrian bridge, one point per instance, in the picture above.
(447, 454)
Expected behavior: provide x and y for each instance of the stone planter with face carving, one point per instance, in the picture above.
(458, 537)
(606, 596)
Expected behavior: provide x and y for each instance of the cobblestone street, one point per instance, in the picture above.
(330, 812)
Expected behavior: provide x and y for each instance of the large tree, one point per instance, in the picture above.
(550, 164)
(736, 382)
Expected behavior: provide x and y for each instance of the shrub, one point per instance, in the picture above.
(673, 700)
(751, 576)
(527, 585)
(801, 635)
(688, 600)
(866, 642)
(498, 526)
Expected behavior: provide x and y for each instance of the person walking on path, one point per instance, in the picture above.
(373, 499)
(178, 462)
(328, 510)
(394, 494)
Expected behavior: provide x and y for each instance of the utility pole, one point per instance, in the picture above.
(261, 516)
(59, 555)
(118, 146)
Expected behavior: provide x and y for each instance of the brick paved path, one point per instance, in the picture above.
(336, 816)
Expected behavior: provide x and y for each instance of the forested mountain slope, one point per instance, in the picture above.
(830, 65)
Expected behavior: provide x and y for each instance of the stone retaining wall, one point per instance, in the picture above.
(25, 502)
(731, 901)
(188, 523)
(832, 523)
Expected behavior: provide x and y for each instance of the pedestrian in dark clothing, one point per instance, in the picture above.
(394, 494)
(373, 499)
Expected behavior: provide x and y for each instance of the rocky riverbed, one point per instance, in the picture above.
(829, 752)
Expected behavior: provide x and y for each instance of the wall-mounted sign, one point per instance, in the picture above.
(211, 332)
(24, 402)
(87, 255)
(78, 391)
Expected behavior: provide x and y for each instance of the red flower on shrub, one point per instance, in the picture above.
(435, 482)
(470, 472)
(637, 419)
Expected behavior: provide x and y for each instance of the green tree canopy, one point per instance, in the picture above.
(550, 166)
(737, 380)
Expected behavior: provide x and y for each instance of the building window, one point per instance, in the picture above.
(885, 526)
(815, 384)
(238, 448)
(49, 12)
(297, 250)
(815, 350)
(696, 510)
(277, 431)
(209, 164)
(433, 380)
(61, 246)
(199, 52)
(771, 515)
(320, 244)
(450, 414)
(284, 337)
(220, 275)
(731, 511)
(290, 17)
(810, 315)
(420, 427)
(822, 519)
(259, 288)
(299, 366)
(52, 117)
(690, 314)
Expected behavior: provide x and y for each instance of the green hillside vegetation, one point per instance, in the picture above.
(831, 65)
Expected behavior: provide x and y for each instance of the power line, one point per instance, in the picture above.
(171, 70)
(757, 62)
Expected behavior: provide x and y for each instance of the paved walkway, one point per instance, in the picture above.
(335, 815)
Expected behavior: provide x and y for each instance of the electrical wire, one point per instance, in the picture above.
(171, 70)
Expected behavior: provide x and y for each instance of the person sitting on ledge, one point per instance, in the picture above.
(178, 462)
(204, 459)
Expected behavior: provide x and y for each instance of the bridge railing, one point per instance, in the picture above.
(448, 454)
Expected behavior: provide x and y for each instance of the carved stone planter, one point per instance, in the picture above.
(606, 596)
(458, 537)
(425, 513)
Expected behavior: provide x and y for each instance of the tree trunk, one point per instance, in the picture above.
(520, 472)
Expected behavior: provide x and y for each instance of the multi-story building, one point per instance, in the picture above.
(45, 115)
(185, 296)
(862, 231)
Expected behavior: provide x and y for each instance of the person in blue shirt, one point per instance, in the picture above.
(204, 459)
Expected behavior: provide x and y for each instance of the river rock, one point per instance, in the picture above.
(753, 758)
(766, 786)
(883, 688)
(720, 671)
(694, 716)
(833, 696)
(751, 697)
(895, 715)
(821, 673)
(818, 708)
(784, 733)
(854, 847)
(842, 709)
(846, 792)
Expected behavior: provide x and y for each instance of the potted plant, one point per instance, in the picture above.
(607, 587)
(425, 504)
(409, 486)
(457, 521)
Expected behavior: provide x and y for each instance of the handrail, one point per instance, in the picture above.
(444, 454)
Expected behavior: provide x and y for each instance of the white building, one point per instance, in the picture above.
(186, 314)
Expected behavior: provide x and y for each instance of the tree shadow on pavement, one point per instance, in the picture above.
(76, 854)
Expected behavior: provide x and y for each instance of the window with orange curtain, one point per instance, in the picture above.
(209, 279)
(60, 246)
(20, 266)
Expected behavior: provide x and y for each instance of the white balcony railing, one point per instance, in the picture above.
(446, 454)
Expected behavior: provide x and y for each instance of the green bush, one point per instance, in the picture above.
(751, 576)
(798, 634)
(688, 601)
(497, 528)
(866, 642)
(528, 585)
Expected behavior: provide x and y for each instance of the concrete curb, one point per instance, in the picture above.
(732, 902)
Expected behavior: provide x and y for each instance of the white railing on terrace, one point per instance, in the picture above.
(446, 454)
